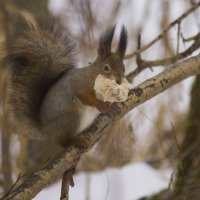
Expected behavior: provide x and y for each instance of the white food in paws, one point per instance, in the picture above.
(108, 90)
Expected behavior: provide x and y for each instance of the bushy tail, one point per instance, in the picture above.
(37, 57)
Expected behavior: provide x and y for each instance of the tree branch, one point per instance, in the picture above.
(177, 21)
(70, 156)
(143, 64)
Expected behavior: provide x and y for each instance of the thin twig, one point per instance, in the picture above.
(67, 181)
(178, 38)
(175, 138)
(178, 20)
(138, 57)
(188, 39)
(166, 61)
(138, 61)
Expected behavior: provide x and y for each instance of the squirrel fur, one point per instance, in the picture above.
(49, 95)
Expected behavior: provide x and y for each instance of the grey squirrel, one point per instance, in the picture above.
(49, 96)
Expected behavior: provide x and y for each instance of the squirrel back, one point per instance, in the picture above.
(49, 97)
(40, 55)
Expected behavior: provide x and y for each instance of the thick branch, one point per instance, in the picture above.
(66, 159)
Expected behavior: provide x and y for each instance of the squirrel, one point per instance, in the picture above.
(50, 96)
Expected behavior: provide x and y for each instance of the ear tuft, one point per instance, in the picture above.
(122, 42)
(105, 42)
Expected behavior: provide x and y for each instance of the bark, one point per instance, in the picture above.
(70, 156)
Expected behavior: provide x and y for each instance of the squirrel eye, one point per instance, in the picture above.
(107, 68)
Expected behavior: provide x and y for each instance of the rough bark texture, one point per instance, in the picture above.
(66, 159)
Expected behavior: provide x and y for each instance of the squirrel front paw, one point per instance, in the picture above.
(104, 107)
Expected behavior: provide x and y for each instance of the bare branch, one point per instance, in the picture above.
(188, 39)
(178, 38)
(178, 20)
(167, 61)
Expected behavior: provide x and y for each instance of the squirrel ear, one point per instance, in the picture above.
(122, 42)
(105, 42)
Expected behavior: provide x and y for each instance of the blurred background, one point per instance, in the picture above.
(156, 142)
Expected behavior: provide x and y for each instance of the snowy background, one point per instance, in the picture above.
(128, 183)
